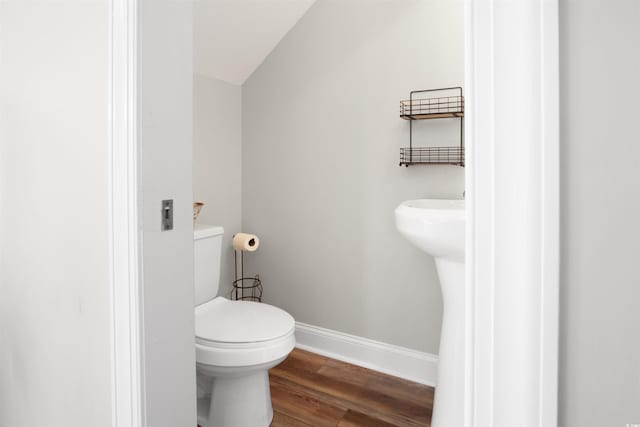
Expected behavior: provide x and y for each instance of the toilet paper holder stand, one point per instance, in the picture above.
(245, 288)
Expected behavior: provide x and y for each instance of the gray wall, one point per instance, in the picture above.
(55, 308)
(600, 178)
(166, 157)
(217, 171)
(320, 175)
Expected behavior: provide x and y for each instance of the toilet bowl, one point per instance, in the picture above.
(237, 342)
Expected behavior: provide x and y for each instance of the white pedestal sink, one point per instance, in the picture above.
(437, 227)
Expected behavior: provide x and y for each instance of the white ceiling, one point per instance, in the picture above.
(231, 38)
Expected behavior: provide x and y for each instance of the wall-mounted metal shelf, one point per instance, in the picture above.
(432, 156)
(433, 104)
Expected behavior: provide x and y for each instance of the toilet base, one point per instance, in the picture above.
(236, 398)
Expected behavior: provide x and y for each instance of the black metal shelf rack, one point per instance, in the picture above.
(433, 105)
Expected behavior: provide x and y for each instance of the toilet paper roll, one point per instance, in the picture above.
(245, 242)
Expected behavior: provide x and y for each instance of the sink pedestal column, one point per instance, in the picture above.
(437, 227)
(449, 399)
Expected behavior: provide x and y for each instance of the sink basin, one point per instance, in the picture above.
(437, 227)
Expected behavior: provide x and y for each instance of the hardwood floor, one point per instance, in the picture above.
(312, 390)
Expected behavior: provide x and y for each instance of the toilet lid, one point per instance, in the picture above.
(221, 320)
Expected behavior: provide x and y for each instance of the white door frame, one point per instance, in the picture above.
(126, 282)
(512, 181)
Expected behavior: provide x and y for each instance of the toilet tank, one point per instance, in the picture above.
(207, 249)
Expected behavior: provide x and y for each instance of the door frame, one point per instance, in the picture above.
(512, 192)
(127, 390)
(512, 181)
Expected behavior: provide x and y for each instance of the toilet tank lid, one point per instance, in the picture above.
(202, 231)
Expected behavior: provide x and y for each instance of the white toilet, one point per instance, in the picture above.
(237, 342)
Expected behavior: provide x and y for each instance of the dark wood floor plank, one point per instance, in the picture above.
(357, 419)
(396, 387)
(386, 407)
(302, 361)
(283, 420)
(339, 391)
(296, 403)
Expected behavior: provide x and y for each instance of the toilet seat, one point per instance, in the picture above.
(223, 321)
(242, 333)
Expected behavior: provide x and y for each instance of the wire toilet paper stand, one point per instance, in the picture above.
(245, 288)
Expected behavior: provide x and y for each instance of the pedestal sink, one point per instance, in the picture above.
(437, 227)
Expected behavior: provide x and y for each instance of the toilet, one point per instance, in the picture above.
(237, 342)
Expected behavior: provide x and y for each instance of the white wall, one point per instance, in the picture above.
(600, 274)
(166, 137)
(54, 250)
(320, 181)
(217, 162)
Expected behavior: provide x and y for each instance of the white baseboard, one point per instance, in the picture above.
(393, 360)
